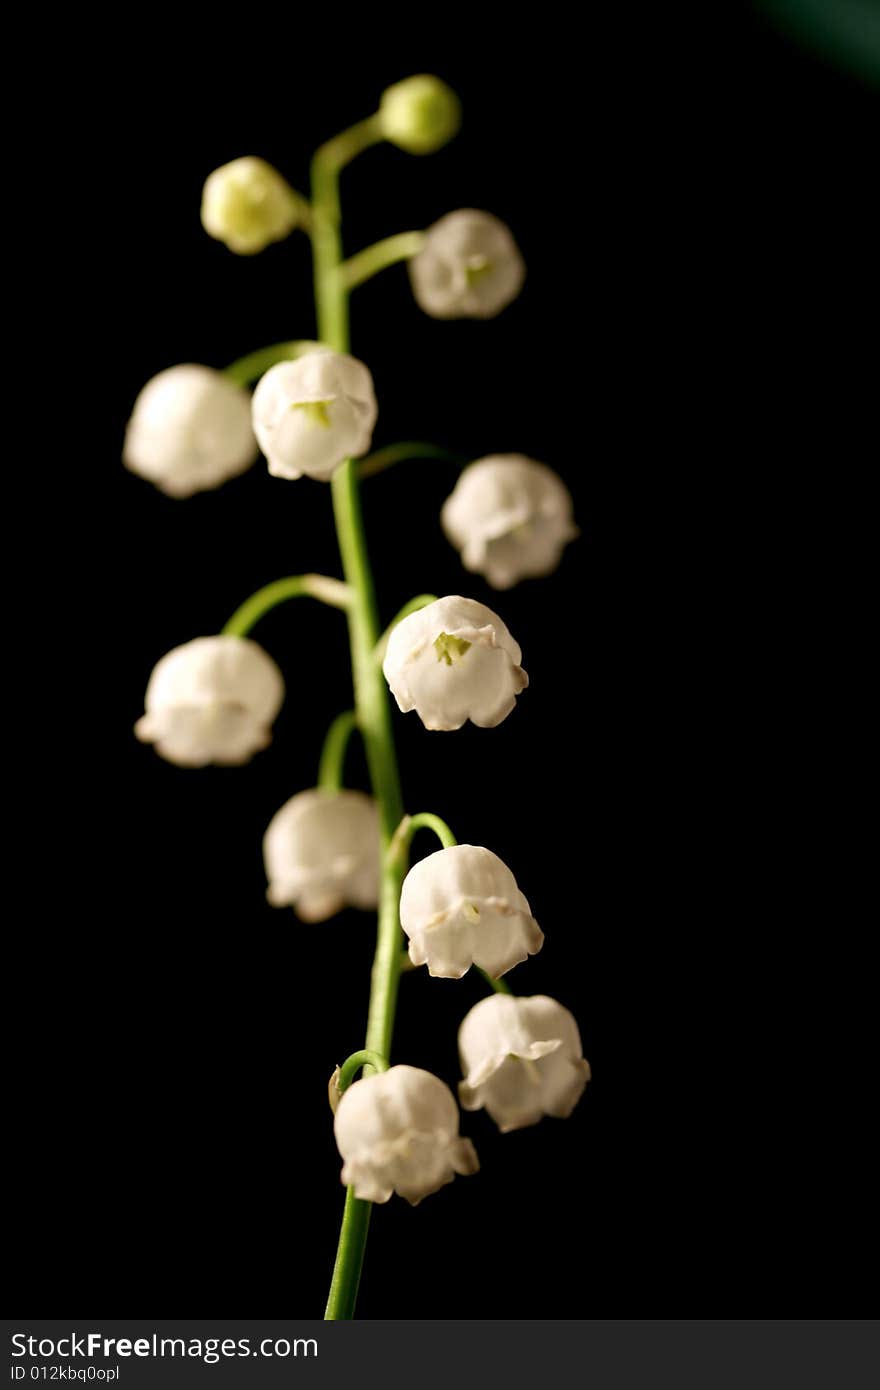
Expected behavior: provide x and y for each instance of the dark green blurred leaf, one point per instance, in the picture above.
(847, 32)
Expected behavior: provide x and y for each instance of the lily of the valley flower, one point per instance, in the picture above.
(419, 114)
(322, 853)
(190, 429)
(461, 907)
(312, 413)
(452, 661)
(522, 1059)
(469, 267)
(398, 1132)
(213, 700)
(510, 517)
(247, 205)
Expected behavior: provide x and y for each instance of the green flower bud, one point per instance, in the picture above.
(247, 205)
(419, 114)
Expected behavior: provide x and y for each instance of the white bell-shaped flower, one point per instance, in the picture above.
(247, 205)
(312, 413)
(510, 517)
(322, 853)
(522, 1059)
(397, 1131)
(190, 429)
(461, 907)
(452, 661)
(469, 267)
(213, 700)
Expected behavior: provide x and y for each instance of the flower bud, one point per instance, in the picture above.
(322, 853)
(311, 414)
(213, 700)
(397, 1131)
(190, 430)
(469, 267)
(510, 517)
(247, 205)
(452, 661)
(334, 1095)
(419, 114)
(522, 1059)
(461, 907)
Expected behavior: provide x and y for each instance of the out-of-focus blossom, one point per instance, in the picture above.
(213, 700)
(322, 853)
(510, 517)
(247, 205)
(419, 114)
(190, 429)
(469, 267)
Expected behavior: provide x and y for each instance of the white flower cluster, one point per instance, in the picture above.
(214, 699)
(193, 428)
(399, 1131)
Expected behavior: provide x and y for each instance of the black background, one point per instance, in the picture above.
(695, 205)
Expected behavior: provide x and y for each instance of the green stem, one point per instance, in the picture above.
(370, 692)
(331, 300)
(349, 1258)
(352, 1065)
(319, 586)
(332, 764)
(403, 453)
(425, 820)
(379, 256)
(499, 986)
(249, 368)
(420, 601)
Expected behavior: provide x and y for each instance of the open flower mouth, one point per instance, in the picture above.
(449, 648)
(316, 412)
(477, 268)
